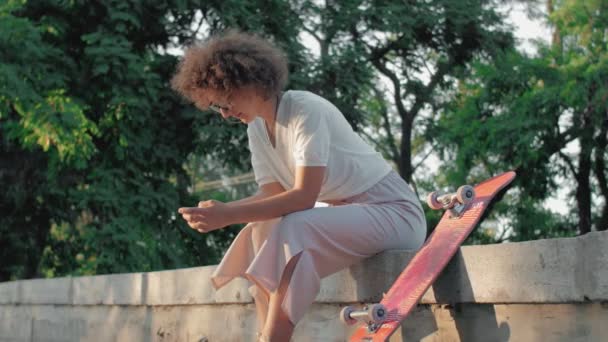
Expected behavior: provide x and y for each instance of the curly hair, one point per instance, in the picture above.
(229, 61)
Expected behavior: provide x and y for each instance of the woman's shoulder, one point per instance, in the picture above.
(301, 96)
(304, 102)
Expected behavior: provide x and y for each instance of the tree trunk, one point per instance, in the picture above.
(583, 189)
(600, 171)
(405, 162)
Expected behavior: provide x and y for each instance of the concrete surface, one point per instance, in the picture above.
(551, 290)
(234, 322)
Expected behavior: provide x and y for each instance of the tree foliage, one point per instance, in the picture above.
(97, 153)
(545, 116)
(420, 47)
(94, 142)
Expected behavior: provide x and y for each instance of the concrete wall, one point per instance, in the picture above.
(546, 290)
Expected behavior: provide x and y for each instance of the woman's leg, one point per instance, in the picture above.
(314, 243)
(278, 327)
(261, 300)
(261, 311)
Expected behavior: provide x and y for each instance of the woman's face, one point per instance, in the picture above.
(240, 104)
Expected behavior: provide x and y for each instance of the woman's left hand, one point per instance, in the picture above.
(208, 216)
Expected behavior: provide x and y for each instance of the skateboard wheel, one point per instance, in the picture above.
(376, 313)
(465, 194)
(345, 316)
(432, 201)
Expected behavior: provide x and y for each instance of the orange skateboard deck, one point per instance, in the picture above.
(429, 261)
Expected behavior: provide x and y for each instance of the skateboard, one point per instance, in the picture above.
(464, 209)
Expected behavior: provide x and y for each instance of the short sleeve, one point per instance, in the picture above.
(259, 160)
(311, 145)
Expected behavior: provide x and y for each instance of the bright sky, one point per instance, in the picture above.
(527, 29)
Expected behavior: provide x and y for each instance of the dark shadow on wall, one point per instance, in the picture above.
(454, 295)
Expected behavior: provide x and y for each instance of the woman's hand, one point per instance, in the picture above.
(208, 216)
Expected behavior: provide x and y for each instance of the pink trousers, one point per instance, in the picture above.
(386, 216)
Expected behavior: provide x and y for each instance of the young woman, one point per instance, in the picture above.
(302, 151)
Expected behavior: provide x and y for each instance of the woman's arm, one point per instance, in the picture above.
(271, 202)
(308, 181)
(264, 191)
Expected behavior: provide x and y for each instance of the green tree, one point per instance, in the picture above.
(42, 128)
(96, 138)
(545, 116)
(94, 142)
(419, 47)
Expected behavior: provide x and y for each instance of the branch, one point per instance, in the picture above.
(426, 66)
(396, 84)
(313, 33)
(419, 101)
(569, 163)
(423, 159)
(387, 126)
(198, 28)
(501, 238)
(379, 53)
(564, 139)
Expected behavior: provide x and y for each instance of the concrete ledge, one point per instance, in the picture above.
(543, 271)
(539, 272)
(582, 322)
(9, 292)
(553, 290)
(592, 266)
(192, 286)
(112, 289)
(45, 291)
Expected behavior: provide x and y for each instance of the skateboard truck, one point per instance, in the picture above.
(454, 202)
(373, 315)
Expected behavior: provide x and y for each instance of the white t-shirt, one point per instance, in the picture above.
(311, 131)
